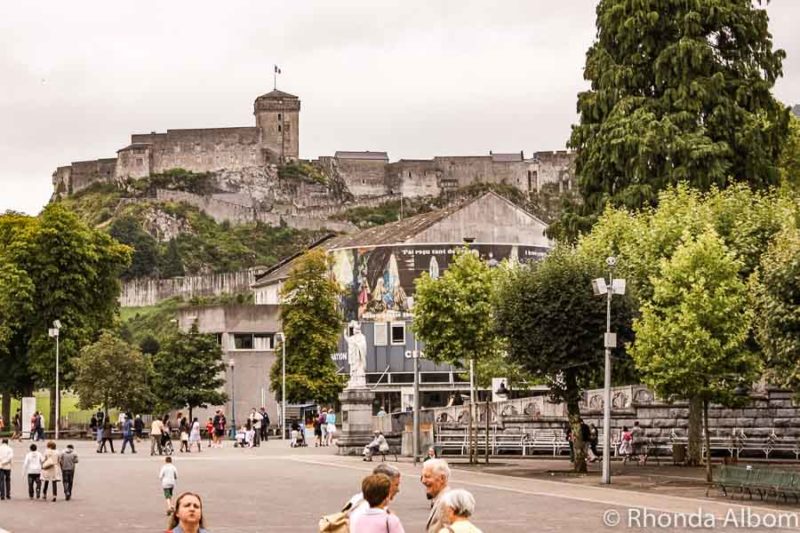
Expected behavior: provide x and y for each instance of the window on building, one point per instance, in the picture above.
(380, 333)
(280, 117)
(263, 341)
(139, 162)
(279, 128)
(243, 341)
(398, 333)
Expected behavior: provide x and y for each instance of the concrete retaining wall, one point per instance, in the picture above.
(143, 292)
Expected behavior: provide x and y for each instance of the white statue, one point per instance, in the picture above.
(357, 357)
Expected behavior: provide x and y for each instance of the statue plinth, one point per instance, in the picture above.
(356, 413)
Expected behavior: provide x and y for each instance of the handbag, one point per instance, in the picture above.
(49, 462)
(336, 522)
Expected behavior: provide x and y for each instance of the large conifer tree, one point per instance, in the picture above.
(680, 91)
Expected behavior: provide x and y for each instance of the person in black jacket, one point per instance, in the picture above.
(138, 428)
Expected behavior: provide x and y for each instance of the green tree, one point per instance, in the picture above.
(553, 326)
(312, 324)
(189, 371)
(127, 230)
(171, 261)
(73, 271)
(776, 302)
(690, 338)
(454, 315)
(680, 91)
(112, 373)
(789, 163)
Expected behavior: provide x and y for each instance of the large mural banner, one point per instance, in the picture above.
(378, 282)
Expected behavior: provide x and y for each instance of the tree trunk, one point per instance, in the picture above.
(695, 452)
(574, 415)
(6, 410)
(708, 441)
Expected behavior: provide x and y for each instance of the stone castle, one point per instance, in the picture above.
(275, 140)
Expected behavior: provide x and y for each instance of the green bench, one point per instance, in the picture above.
(764, 481)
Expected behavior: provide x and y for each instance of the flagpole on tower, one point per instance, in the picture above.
(275, 73)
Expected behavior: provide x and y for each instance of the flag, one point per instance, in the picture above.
(277, 70)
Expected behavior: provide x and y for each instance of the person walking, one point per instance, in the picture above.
(593, 440)
(219, 428)
(156, 429)
(169, 477)
(40, 426)
(101, 418)
(138, 428)
(32, 470)
(459, 505)
(376, 489)
(17, 427)
(68, 461)
(323, 426)
(194, 435)
(188, 515)
(264, 424)
(255, 422)
(35, 426)
(107, 433)
(317, 432)
(127, 435)
(210, 431)
(6, 456)
(183, 429)
(330, 422)
(436, 479)
(51, 470)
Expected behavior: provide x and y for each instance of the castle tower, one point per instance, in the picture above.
(278, 117)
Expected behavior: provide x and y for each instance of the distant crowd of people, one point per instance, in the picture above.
(631, 443)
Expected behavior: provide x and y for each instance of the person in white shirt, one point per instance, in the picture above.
(32, 468)
(156, 429)
(169, 477)
(6, 456)
(378, 444)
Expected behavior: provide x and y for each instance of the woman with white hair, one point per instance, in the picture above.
(459, 505)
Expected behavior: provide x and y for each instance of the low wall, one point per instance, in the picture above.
(143, 292)
(767, 412)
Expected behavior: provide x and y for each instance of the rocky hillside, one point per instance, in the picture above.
(175, 239)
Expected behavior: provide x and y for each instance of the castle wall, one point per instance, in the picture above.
(204, 150)
(235, 213)
(135, 161)
(61, 180)
(364, 177)
(143, 292)
(555, 167)
(414, 177)
(80, 174)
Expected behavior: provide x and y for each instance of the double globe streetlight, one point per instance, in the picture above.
(609, 288)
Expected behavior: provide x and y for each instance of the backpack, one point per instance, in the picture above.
(336, 522)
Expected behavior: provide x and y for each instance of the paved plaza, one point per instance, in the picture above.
(275, 488)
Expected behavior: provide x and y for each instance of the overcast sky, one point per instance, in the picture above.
(414, 78)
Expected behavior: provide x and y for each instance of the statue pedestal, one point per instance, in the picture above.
(356, 420)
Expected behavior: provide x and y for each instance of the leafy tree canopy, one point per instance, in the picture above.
(454, 314)
(312, 324)
(680, 91)
(189, 371)
(112, 373)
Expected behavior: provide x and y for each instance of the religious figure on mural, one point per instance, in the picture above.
(357, 357)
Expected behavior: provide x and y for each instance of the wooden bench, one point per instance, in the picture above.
(451, 440)
(509, 441)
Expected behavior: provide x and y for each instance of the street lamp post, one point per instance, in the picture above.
(283, 385)
(232, 365)
(54, 332)
(609, 288)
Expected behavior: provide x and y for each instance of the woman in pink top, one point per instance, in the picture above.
(376, 519)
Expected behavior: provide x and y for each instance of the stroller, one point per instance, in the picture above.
(166, 444)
